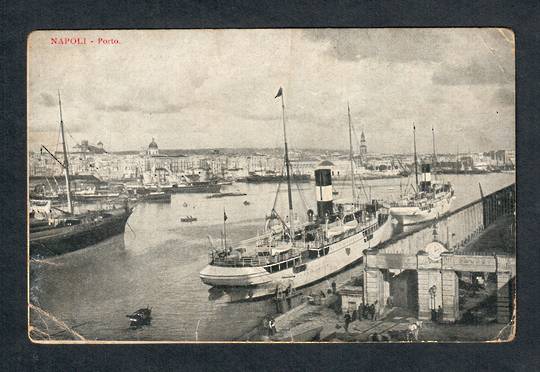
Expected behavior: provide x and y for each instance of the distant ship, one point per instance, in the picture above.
(54, 231)
(432, 201)
(156, 197)
(429, 201)
(287, 255)
(209, 187)
(272, 177)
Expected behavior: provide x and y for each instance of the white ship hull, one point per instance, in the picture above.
(414, 214)
(254, 282)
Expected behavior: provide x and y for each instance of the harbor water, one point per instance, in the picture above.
(157, 262)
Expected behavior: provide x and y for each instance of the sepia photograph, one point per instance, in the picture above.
(340, 185)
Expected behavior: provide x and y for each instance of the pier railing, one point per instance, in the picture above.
(457, 228)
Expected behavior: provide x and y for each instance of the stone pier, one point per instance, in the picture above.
(437, 281)
(436, 253)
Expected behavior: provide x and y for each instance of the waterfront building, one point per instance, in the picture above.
(352, 297)
(85, 148)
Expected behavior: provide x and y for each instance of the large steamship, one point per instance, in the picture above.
(294, 256)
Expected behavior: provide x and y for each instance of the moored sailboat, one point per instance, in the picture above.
(54, 231)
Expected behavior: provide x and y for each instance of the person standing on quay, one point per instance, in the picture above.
(347, 321)
(364, 311)
(371, 311)
(272, 326)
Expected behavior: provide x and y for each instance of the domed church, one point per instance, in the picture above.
(152, 148)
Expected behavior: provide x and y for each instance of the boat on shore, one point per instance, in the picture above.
(295, 255)
(54, 231)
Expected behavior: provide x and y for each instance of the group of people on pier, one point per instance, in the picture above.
(364, 311)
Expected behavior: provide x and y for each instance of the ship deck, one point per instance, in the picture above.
(286, 252)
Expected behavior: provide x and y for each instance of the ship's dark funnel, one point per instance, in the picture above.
(425, 184)
(323, 184)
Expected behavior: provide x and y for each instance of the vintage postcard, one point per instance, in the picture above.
(271, 185)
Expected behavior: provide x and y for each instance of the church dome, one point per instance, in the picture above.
(152, 145)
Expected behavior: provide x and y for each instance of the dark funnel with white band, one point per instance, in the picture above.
(425, 184)
(323, 185)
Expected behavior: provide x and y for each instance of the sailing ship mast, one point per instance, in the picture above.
(287, 166)
(415, 158)
(351, 155)
(66, 163)
(457, 159)
(434, 161)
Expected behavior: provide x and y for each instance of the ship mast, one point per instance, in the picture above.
(287, 166)
(457, 159)
(434, 161)
(66, 163)
(415, 158)
(351, 154)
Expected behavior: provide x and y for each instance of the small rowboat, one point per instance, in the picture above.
(188, 219)
(140, 317)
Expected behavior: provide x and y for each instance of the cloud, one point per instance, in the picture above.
(260, 116)
(475, 73)
(504, 96)
(406, 44)
(159, 108)
(48, 100)
(223, 82)
(197, 78)
(165, 108)
(124, 107)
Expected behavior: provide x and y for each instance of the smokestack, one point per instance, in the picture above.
(425, 184)
(323, 192)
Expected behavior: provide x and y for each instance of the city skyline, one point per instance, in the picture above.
(215, 89)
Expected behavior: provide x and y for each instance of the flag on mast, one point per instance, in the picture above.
(224, 215)
(279, 92)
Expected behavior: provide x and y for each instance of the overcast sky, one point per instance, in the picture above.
(216, 88)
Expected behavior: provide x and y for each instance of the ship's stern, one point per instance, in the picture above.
(224, 276)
